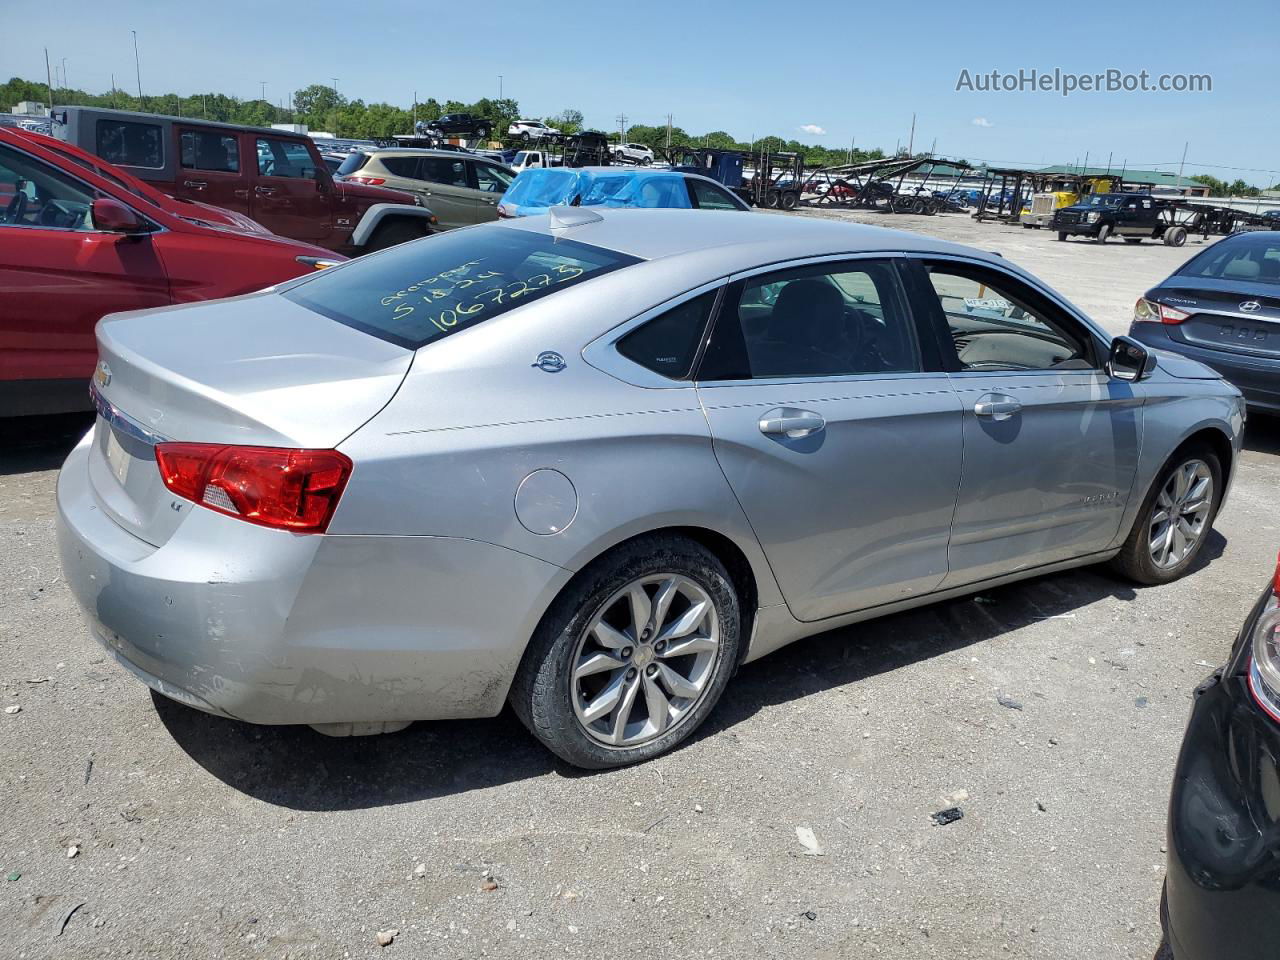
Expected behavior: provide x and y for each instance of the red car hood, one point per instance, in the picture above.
(213, 216)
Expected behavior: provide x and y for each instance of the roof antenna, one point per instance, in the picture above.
(562, 218)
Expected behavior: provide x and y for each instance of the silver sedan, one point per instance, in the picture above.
(589, 463)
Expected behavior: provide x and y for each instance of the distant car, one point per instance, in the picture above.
(636, 153)
(465, 125)
(458, 188)
(530, 130)
(332, 161)
(79, 240)
(275, 177)
(535, 190)
(1222, 308)
(589, 463)
(1220, 897)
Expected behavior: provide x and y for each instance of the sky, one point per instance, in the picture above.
(822, 72)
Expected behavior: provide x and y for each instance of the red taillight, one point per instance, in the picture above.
(1152, 312)
(294, 490)
(371, 181)
(1275, 583)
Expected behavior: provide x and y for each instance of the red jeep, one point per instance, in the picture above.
(80, 239)
(275, 177)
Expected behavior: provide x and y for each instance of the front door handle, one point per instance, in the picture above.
(195, 184)
(791, 423)
(997, 406)
(264, 191)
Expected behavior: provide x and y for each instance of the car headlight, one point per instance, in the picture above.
(1264, 668)
(1092, 217)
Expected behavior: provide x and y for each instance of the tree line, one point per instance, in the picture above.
(322, 107)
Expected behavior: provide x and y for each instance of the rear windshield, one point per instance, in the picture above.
(352, 163)
(1254, 257)
(425, 290)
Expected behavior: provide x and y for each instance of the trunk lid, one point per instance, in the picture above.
(257, 370)
(1218, 320)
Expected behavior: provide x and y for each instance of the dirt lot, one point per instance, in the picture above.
(195, 836)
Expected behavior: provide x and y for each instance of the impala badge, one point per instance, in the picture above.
(549, 362)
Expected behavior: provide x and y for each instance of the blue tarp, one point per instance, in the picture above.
(533, 191)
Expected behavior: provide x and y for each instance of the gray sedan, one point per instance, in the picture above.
(588, 463)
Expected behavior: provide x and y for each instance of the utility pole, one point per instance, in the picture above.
(499, 86)
(48, 76)
(64, 73)
(912, 142)
(668, 132)
(113, 90)
(1181, 163)
(415, 111)
(335, 85)
(622, 128)
(264, 90)
(137, 66)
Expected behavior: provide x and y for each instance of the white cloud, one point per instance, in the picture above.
(812, 128)
(982, 122)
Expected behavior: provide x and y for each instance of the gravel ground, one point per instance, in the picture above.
(1050, 711)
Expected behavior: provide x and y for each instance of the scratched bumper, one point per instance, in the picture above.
(1223, 880)
(271, 627)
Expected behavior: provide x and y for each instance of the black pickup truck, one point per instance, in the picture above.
(1133, 217)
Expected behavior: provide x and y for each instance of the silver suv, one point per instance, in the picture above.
(460, 188)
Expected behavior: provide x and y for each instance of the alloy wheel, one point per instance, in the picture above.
(645, 660)
(1181, 513)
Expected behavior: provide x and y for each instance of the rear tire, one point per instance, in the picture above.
(788, 201)
(771, 199)
(550, 693)
(524, 135)
(1175, 236)
(1136, 560)
(394, 233)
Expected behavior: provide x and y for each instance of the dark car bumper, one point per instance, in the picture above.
(1075, 229)
(1258, 378)
(1222, 888)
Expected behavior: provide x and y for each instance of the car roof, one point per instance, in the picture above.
(738, 243)
(139, 117)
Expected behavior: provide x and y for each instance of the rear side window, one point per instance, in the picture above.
(710, 197)
(210, 150)
(352, 163)
(402, 166)
(416, 293)
(130, 144)
(667, 344)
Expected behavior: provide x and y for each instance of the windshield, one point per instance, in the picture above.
(1254, 257)
(423, 291)
(1102, 200)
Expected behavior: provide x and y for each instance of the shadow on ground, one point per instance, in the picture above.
(300, 769)
(33, 444)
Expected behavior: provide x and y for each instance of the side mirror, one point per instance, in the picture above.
(1130, 360)
(114, 217)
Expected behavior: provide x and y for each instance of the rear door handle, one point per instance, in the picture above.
(997, 406)
(791, 423)
(195, 184)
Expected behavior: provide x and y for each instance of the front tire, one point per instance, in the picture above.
(1104, 232)
(632, 656)
(1175, 518)
(1062, 235)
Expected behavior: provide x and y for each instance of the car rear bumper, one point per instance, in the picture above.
(1223, 881)
(272, 627)
(1258, 378)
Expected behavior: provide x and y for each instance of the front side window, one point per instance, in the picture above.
(33, 194)
(998, 323)
(445, 171)
(668, 343)
(417, 293)
(819, 321)
(130, 144)
(285, 158)
(491, 179)
(210, 150)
